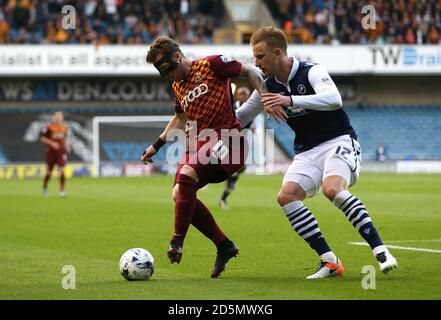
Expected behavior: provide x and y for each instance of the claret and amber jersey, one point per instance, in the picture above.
(58, 133)
(205, 94)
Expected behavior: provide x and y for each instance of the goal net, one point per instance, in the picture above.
(119, 141)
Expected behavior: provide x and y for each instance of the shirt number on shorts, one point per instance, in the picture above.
(220, 150)
(342, 151)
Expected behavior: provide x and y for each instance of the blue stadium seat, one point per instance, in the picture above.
(408, 132)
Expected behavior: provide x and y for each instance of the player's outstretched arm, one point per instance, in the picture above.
(326, 97)
(249, 109)
(177, 122)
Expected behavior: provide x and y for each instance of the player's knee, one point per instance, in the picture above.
(175, 192)
(190, 172)
(290, 192)
(182, 181)
(332, 186)
(283, 197)
(185, 179)
(330, 192)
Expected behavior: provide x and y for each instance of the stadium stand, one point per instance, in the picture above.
(339, 21)
(409, 133)
(197, 21)
(109, 21)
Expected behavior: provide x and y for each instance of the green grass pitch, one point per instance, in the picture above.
(101, 218)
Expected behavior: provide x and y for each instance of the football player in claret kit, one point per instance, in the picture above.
(54, 137)
(203, 96)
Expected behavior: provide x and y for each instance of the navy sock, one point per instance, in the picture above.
(304, 223)
(358, 216)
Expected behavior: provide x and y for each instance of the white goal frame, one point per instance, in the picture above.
(115, 119)
(259, 132)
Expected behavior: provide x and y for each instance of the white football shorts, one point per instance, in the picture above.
(340, 156)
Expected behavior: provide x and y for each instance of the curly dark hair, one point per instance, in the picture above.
(161, 46)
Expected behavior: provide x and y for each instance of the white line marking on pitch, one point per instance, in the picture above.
(403, 241)
(398, 247)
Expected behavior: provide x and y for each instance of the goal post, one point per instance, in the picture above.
(122, 122)
(118, 142)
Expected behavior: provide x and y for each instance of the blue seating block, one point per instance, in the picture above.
(408, 132)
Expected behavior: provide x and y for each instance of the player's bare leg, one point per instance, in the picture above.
(230, 184)
(62, 182)
(229, 187)
(46, 179)
(335, 189)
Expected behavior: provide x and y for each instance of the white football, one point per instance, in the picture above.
(136, 264)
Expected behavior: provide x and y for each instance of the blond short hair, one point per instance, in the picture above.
(273, 37)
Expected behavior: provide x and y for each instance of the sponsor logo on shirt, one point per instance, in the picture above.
(294, 111)
(194, 94)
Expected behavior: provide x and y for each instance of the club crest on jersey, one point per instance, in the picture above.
(301, 89)
(194, 94)
(197, 77)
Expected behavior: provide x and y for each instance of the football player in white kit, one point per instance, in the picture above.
(327, 152)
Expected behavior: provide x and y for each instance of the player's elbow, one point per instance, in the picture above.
(242, 118)
(245, 71)
(338, 102)
(335, 100)
(252, 75)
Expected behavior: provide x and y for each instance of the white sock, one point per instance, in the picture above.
(341, 197)
(379, 249)
(329, 257)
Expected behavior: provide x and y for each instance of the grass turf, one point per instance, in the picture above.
(101, 218)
